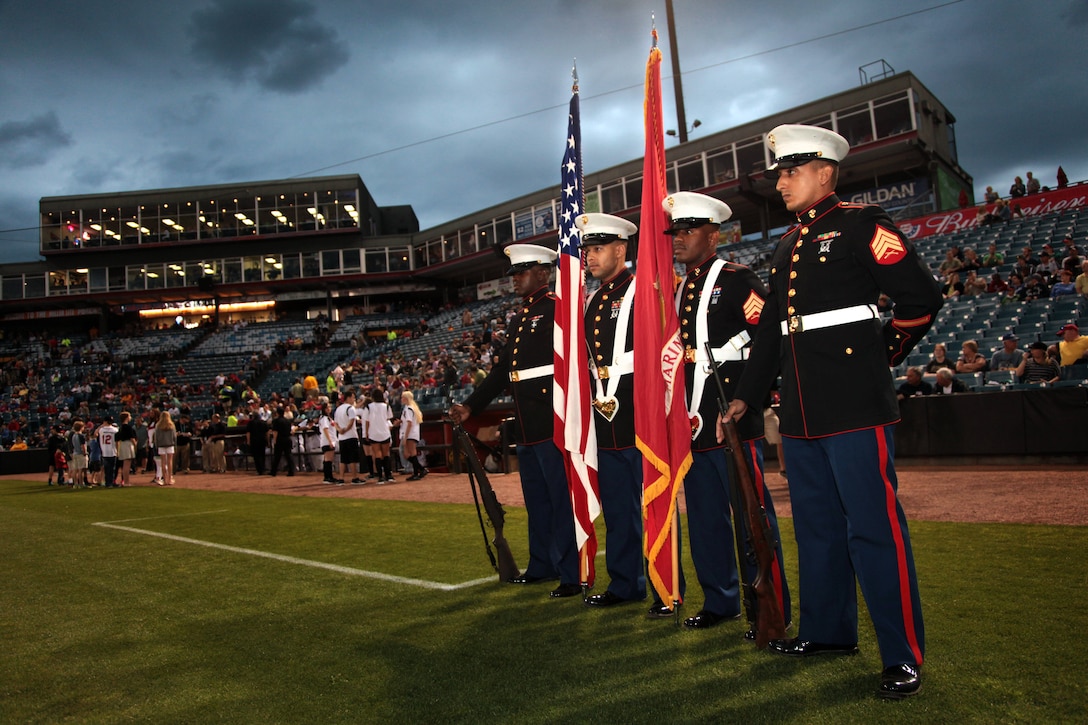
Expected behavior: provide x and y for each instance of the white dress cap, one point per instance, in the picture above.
(603, 228)
(526, 256)
(689, 210)
(796, 144)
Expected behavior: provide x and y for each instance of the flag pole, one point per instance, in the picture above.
(583, 552)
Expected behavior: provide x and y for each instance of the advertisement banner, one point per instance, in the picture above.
(1074, 197)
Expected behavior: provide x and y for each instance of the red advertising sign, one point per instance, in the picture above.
(946, 222)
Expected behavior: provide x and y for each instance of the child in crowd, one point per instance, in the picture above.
(77, 445)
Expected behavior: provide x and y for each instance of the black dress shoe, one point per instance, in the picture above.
(900, 681)
(566, 590)
(706, 619)
(660, 611)
(528, 579)
(798, 647)
(607, 599)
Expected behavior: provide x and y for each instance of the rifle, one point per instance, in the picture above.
(505, 566)
(769, 622)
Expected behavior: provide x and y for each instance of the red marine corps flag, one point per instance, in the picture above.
(662, 431)
(574, 434)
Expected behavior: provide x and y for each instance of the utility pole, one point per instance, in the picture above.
(677, 85)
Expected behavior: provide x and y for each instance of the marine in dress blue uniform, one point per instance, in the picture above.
(526, 368)
(821, 329)
(721, 303)
(609, 325)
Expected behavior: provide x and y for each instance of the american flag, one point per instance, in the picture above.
(574, 433)
(662, 431)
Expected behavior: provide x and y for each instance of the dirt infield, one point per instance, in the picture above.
(1053, 494)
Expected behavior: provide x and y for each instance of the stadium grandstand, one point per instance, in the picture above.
(151, 297)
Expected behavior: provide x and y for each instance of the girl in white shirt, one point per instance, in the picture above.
(410, 420)
(378, 432)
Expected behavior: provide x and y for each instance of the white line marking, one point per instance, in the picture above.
(305, 562)
(164, 516)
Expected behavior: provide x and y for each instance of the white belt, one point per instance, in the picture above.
(624, 366)
(731, 351)
(818, 320)
(539, 371)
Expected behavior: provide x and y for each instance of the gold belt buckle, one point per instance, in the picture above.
(602, 372)
(514, 376)
(795, 324)
(689, 354)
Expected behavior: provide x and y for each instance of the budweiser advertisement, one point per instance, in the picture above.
(946, 222)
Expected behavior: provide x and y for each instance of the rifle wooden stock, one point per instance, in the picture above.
(769, 623)
(505, 566)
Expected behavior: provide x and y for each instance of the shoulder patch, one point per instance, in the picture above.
(753, 306)
(887, 247)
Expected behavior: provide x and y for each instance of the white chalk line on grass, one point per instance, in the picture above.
(303, 562)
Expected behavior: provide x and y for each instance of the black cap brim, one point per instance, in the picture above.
(679, 225)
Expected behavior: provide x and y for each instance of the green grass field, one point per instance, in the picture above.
(104, 624)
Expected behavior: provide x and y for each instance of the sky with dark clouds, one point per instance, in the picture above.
(453, 107)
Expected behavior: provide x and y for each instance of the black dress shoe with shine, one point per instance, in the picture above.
(900, 681)
(706, 619)
(798, 647)
(528, 579)
(607, 599)
(660, 611)
(566, 590)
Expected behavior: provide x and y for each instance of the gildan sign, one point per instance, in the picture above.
(892, 196)
(946, 222)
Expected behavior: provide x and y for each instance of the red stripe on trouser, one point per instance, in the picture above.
(750, 446)
(900, 548)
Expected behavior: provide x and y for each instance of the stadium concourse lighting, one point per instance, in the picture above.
(695, 124)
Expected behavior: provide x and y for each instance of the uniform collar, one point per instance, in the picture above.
(535, 296)
(617, 281)
(700, 269)
(817, 210)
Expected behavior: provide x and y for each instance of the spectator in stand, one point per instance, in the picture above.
(310, 386)
(996, 285)
(993, 258)
(1073, 350)
(1047, 268)
(952, 263)
(1081, 283)
(1034, 288)
(974, 285)
(1032, 185)
(1009, 356)
(1037, 367)
(970, 261)
(1072, 261)
(1026, 262)
(940, 359)
(991, 196)
(953, 287)
(1002, 210)
(914, 386)
(947, 383)
(970, 360)
(1017, 189)
(1015, 289)
(1065, 286)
